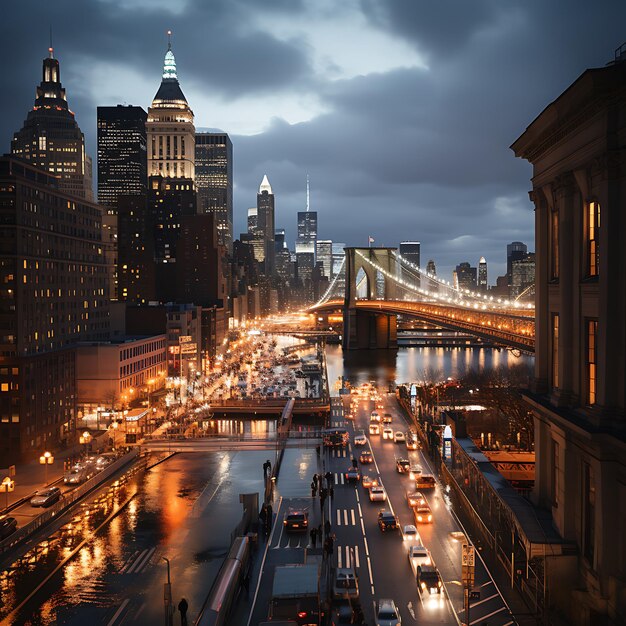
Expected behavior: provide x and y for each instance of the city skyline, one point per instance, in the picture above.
(290, 79)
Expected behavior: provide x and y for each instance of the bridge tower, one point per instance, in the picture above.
(369, 329)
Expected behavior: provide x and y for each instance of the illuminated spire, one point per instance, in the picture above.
(169, 64)
(307, 194)
(265, 185)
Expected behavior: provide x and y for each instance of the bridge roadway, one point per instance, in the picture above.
(512, 327)
(381, 558)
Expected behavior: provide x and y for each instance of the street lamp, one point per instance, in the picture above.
(85, 438)
(46, 459)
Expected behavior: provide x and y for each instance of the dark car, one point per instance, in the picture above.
(387, 520)
(366, 457)
(353, 475)
(296, 521)
(8, 526)
(428, 579)
(402, 465)
(46, 497)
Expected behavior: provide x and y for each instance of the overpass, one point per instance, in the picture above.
(375, 285)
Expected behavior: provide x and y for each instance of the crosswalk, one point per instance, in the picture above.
(339, 453)
(348, 556)
(345, 517)
(138, 561)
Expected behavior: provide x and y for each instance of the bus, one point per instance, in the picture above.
(335, 437)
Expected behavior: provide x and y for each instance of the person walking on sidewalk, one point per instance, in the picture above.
(327, 528)
(329, 478)
(268, 521)
(313, 489)
(182, 607)
(313, 534)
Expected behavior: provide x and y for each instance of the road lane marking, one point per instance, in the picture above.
(484, 617)
(132, 567)
(145, 561)
(119, 610)
(356, 556)
(369, 569)
(367, 548)
(339, 556)
(495, 595)
(128, 562)
(338, 517)
(345, 517)
(352, 516)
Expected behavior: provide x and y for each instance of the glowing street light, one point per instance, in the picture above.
(46, 459)
(85, 438)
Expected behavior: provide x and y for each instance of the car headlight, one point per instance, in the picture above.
(423, 585)
(419, 518)
(439, 584)
(430, 518)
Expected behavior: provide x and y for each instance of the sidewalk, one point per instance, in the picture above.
(31, 476)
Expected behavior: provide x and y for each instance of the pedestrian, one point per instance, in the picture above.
(268, 521)
(355, 463)
(313, 534)
(269, 466)
(313, 490)
(182, 607)
(327, 528)
(329, 478)
(263, 516)
(317, 450)
(331, 493)
(319, 532)
(315, 479)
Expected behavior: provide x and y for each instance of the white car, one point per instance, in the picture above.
(387, 613)
(388, 433)
(418, 555)
(415, 471)
(399, 437)
(360, 439)
(374, 429)
(409, 533)
(377, 493)
(374, 416)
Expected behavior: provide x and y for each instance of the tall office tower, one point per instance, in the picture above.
(515, 251)
(324, 254)
(280, 239)
(410, 250)
(466, 276)
(171, 133)
(482, 274)
(265, 224)
(255, 236)
(214, 182)
(431, 268)
(54, 295)
(305, 262)
(51, 138)
(578, 393)
(122, 170)
(307, 228)
(338, 256)
(122, 154)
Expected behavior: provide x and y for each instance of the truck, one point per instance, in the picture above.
(296, 595)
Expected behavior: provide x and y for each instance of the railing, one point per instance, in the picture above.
(66, 501)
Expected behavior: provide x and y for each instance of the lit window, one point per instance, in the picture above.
(593, 238)
(554, 244)
(592, 359)
(555, 350)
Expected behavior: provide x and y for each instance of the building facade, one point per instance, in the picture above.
(51, 138)
(54, 295)
(265, 224)
(214, 182)
(577, 147)
(324, 255)
(482, 275)
(171, 133)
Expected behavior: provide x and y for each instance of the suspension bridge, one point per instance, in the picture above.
(376, 285)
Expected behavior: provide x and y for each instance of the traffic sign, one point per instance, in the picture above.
(188, 348)
(474, 595)
(184, 339)
(468, 556)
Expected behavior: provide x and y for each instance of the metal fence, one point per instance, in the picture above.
(66, 501)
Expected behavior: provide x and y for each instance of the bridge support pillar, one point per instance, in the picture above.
(364, 330)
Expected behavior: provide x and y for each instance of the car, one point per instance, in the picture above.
(46, 497)
(296, 520)
(387, 520)
(77, 475)
(418, 555)
(345, 584)
(399, 437)
(353, 475)
(409, 533)
(387, 418)
(428, 579)
(374, 429)
(387, 613)
(415, 498)
(411, 441)
(366, 457)
(380, 405)
(388, 433)
(374, 416)
(402, 465)
(415, 471)
(425, 481)
(377, 493)
(360, 439)
(422, 513)
(8, 526)
(368, 481)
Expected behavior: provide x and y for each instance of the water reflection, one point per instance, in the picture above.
(415, 364)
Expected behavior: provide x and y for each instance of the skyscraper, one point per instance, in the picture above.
(54, 295)
(466, 276)
(214, 182)
(324, 254)
(515, 251)
(431, 268)
(122, 154)
(265, 223)
(307, 230)
(410, 250)
(482, 274)
(51, 138)
(171, 133)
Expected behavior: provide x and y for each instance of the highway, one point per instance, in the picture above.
(381, 558)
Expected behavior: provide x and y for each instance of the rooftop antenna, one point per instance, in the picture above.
(169, 39)
(307, 193)
(51, 49)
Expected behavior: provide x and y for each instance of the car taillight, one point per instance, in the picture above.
(439, 584)
(430, 518)
(423, 585)
(419, 518)
(302, 614)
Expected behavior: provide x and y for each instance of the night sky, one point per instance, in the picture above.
(401, 111)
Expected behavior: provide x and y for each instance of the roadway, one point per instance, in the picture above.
(381, 558)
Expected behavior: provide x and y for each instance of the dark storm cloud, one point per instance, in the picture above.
(408, 153)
